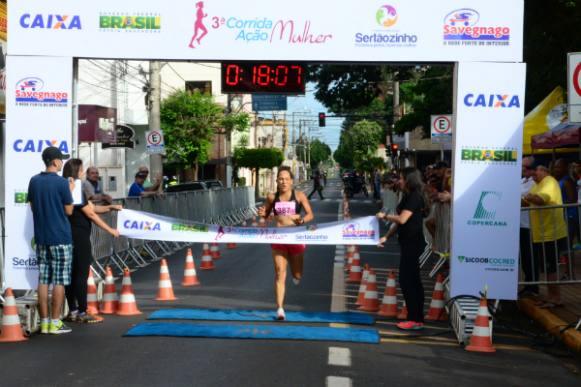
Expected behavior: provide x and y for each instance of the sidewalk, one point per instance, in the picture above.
(560, 321)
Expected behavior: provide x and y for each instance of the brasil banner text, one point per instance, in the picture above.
(144, 225)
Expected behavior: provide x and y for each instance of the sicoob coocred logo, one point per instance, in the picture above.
(386, 17)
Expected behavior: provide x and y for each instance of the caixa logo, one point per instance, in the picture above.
(492, 100)
(30, 91)
(51, 21)
(142, 225)
(37, 146)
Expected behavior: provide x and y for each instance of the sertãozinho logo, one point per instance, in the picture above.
(485, 213)
(386, 16)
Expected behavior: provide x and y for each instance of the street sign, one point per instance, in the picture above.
(574, 86)
(268, 102)
(441, 128)
(154, 142)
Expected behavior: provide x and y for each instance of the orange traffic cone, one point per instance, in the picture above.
(403, 313)
(92, 301)
(371, 299)
(436, 311)
(215, 251)
(389, 304)
(165, 291)
(190, 275)
(481, 340)
(355, 272)
(363, 286)
(127, 304)
(231, 245)
(11, 328)
(349, 257)
(207, 262)
(110, 300)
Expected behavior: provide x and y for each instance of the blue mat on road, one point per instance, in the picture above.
(284, 332)
(261, 315)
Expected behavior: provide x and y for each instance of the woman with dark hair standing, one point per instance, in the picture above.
(287, 205)
(408, 222)
(83, 215)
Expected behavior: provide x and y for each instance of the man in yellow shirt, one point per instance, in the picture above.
(548, 227)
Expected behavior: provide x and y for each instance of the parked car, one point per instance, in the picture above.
(213, 184)
(189, 186)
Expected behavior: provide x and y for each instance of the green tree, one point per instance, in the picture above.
(189, 122)
(257, 158)
(320, 152)
(358, 144)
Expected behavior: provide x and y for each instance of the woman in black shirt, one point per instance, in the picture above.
(83, 215)
(409, 225)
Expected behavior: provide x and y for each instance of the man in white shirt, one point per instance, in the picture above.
(526, 256)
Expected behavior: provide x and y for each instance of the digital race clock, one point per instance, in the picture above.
(263, 77)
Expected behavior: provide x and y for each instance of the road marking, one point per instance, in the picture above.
(338, 381)
(338, 287)
(339, 356)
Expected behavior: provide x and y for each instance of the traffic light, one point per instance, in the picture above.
(394, 148)
(322, 119)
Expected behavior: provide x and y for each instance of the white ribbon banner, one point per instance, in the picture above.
(144, 225)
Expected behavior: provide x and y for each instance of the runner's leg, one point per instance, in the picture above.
(296, 264)
(280, 264)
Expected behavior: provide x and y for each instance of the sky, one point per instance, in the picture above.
(306, 107)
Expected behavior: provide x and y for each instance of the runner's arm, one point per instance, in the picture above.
(304, 201)
(267, 207)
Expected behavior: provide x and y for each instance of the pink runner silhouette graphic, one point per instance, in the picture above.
(199, 24)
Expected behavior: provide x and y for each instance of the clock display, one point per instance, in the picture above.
(263, 77)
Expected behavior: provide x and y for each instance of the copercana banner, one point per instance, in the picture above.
(39, 107)
(345, 30)
(487, 169)
(143, 225)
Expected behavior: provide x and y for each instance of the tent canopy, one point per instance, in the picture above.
(548, 114)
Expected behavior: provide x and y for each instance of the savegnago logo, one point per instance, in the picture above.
(386, 17)
(30, 91)
(144, 22)
(463, 27)
(353, 231)
(489, 155)
(485, 213)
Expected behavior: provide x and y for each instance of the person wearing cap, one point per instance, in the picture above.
(137, 189)
(51, 201)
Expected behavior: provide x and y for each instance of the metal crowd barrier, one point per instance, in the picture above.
(551, 260)
(2, 251)
(221, 206)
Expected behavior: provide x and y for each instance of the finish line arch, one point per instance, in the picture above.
(485, 43)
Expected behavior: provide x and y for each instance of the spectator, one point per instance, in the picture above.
(317, 187)
(137, 189)
(528, 264)
(377, 185)
(148, 185)
(569, 196)
(51, 201)
(548, 230)
(83, 215)
(92, 188)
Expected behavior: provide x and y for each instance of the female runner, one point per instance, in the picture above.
(287, 205)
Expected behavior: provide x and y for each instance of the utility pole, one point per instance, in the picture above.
(154, 113)
(396, 116)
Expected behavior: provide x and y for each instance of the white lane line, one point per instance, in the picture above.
(338, 287)
(339, 356)
(338, 381)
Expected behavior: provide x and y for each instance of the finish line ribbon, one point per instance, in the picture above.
(144, 225)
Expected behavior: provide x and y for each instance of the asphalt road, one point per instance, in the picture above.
(99, 355)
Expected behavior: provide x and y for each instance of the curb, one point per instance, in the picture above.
(552, 324)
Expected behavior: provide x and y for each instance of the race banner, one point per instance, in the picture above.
(144, 225)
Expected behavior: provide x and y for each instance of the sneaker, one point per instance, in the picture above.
(85, 318)
(410, 325)
(72, 316)
(280, 314)
(44, 327)
(296, 281)
(59, 328)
